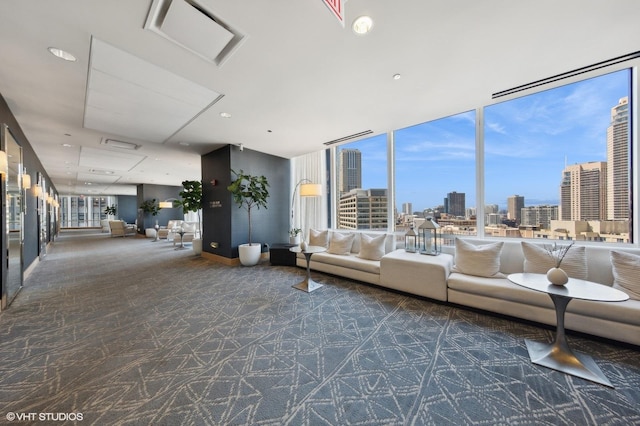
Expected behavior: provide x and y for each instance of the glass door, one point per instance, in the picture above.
(13, 201)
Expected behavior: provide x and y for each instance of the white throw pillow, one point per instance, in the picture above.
(538, 261)
(626, 268)
(479, 260)
(371, 248)
(340, 243)
(318, 238)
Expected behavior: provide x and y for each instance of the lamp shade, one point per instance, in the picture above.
(26, 181)
(310, 190)
(165, 204)
(4, 163)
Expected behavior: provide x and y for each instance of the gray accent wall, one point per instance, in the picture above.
(31, 248)
(223, 221)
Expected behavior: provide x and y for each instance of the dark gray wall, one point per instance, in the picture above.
(31, 248)
(227, 224)
(160, 193)
(128, 208)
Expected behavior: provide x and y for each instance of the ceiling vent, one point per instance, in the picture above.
(191, 26)
(347, 138)
(113, 143)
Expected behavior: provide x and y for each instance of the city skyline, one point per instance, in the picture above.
(528, 143)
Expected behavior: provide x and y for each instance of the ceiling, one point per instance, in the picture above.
(157, 74)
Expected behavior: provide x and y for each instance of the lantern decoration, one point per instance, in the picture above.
(431, 237)
(411, 240)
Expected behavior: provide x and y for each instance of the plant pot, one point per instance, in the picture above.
(249, 254)
(557, 276)
(196, 244)
(294, 240)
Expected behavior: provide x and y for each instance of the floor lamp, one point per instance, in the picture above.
(307, 189)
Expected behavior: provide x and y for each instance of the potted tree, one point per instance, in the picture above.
(151, 207)
(110, 211)
(248, 192)
(191, 201)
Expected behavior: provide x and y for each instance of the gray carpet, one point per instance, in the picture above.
(132, 332)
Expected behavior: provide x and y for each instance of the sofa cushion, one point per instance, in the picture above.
(351, 261)
(318, 238)
(340, 243)
(479, 260)
(372, 248)
(502, 290)
(537, 260)
(626, 267)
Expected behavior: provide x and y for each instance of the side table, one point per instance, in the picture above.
(558, 355)
(279, 254)
(308, 284)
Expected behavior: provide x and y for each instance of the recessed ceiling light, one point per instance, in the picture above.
(225, 114)
(362, 25)
(397, 76)
(62, 54)
(67, 145)
(183, 143)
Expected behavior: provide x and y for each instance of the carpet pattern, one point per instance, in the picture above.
(133, 332)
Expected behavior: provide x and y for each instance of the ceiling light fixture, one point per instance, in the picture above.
(362, 25)
(62, 54)
(225, 114)
(397, 76)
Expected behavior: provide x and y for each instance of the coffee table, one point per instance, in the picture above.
(308, 284)
(558, 355)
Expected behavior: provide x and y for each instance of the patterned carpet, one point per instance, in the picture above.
(132, 332)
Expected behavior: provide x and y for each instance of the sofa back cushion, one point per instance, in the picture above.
(318, 238)
(372, 247)
(537, 260)
(625, 268)
(340, 243)
(479, 260)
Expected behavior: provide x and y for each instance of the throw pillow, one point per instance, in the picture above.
(479, 260)
(371, 248)
(538, 261)
(340, 243)
(318, 238)
(625, 268)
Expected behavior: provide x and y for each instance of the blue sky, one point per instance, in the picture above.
(527, 142)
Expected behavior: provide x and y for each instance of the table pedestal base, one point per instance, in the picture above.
(308, 285)
(556, 357)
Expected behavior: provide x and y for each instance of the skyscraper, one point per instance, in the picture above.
(350, 170)
(583, 191)
(454, 204)
(407, 208)
(515, 203)
(618, 162)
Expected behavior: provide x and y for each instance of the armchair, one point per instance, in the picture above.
(166, 233)
(120, 229)
(189, 233)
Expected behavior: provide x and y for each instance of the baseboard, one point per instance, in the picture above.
(229, 261)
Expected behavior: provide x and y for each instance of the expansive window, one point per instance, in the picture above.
(557, 162)
(435, 174)
(81, 211)
(361, 178)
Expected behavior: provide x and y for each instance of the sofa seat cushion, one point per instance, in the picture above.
(627, 312)
(498, 288)
(351, 261)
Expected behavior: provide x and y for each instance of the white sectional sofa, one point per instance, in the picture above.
(614, 320)
(353, 264)
(438, 278)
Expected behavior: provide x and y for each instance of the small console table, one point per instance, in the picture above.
(308, 284)
(558, 355)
